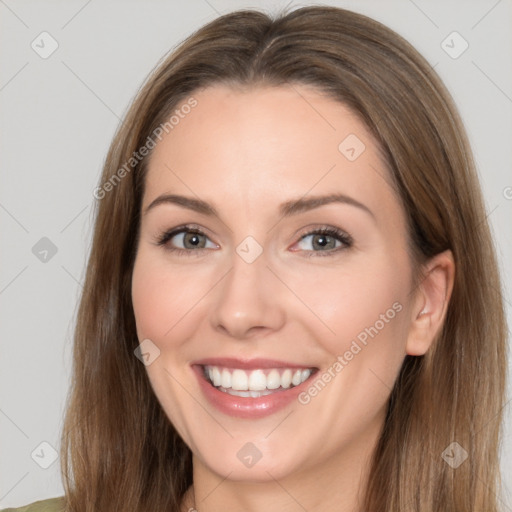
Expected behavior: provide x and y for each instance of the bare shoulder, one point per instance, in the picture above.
(50, 505)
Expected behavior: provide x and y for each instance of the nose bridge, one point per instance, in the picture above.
(247, 298)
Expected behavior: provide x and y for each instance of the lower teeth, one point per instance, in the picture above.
(248, 394)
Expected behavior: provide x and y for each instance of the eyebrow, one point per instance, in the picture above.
(190, 203)
(296, 206)
(286, 209)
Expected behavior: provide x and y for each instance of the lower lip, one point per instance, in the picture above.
(247, 407)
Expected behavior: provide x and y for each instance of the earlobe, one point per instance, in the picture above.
(431, 303)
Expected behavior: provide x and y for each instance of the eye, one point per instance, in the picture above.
(185, 239)
(326, 240)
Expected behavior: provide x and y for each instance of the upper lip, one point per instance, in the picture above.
(248, 364)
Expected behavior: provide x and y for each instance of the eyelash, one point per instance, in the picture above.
(335, 233)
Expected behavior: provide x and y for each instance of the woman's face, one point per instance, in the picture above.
(285, 261)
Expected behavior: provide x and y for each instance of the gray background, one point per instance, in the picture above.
(57, 118)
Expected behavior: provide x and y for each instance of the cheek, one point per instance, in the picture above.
(360, 300)
(163, 299)
(163, 303)
(364, 308)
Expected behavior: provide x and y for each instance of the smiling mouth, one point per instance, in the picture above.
(255, 383)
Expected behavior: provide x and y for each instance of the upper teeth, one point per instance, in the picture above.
(256, 380)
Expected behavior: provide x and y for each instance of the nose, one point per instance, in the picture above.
(248, 301)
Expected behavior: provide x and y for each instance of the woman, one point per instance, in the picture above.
(221, 362)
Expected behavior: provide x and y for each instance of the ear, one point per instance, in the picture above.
(431, 303)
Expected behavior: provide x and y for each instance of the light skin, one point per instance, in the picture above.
(245, 152)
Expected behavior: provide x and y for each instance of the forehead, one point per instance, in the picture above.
(265, 144)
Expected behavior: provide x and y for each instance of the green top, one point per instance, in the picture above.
(51, 505)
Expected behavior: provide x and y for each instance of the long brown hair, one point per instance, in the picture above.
(120, 451)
